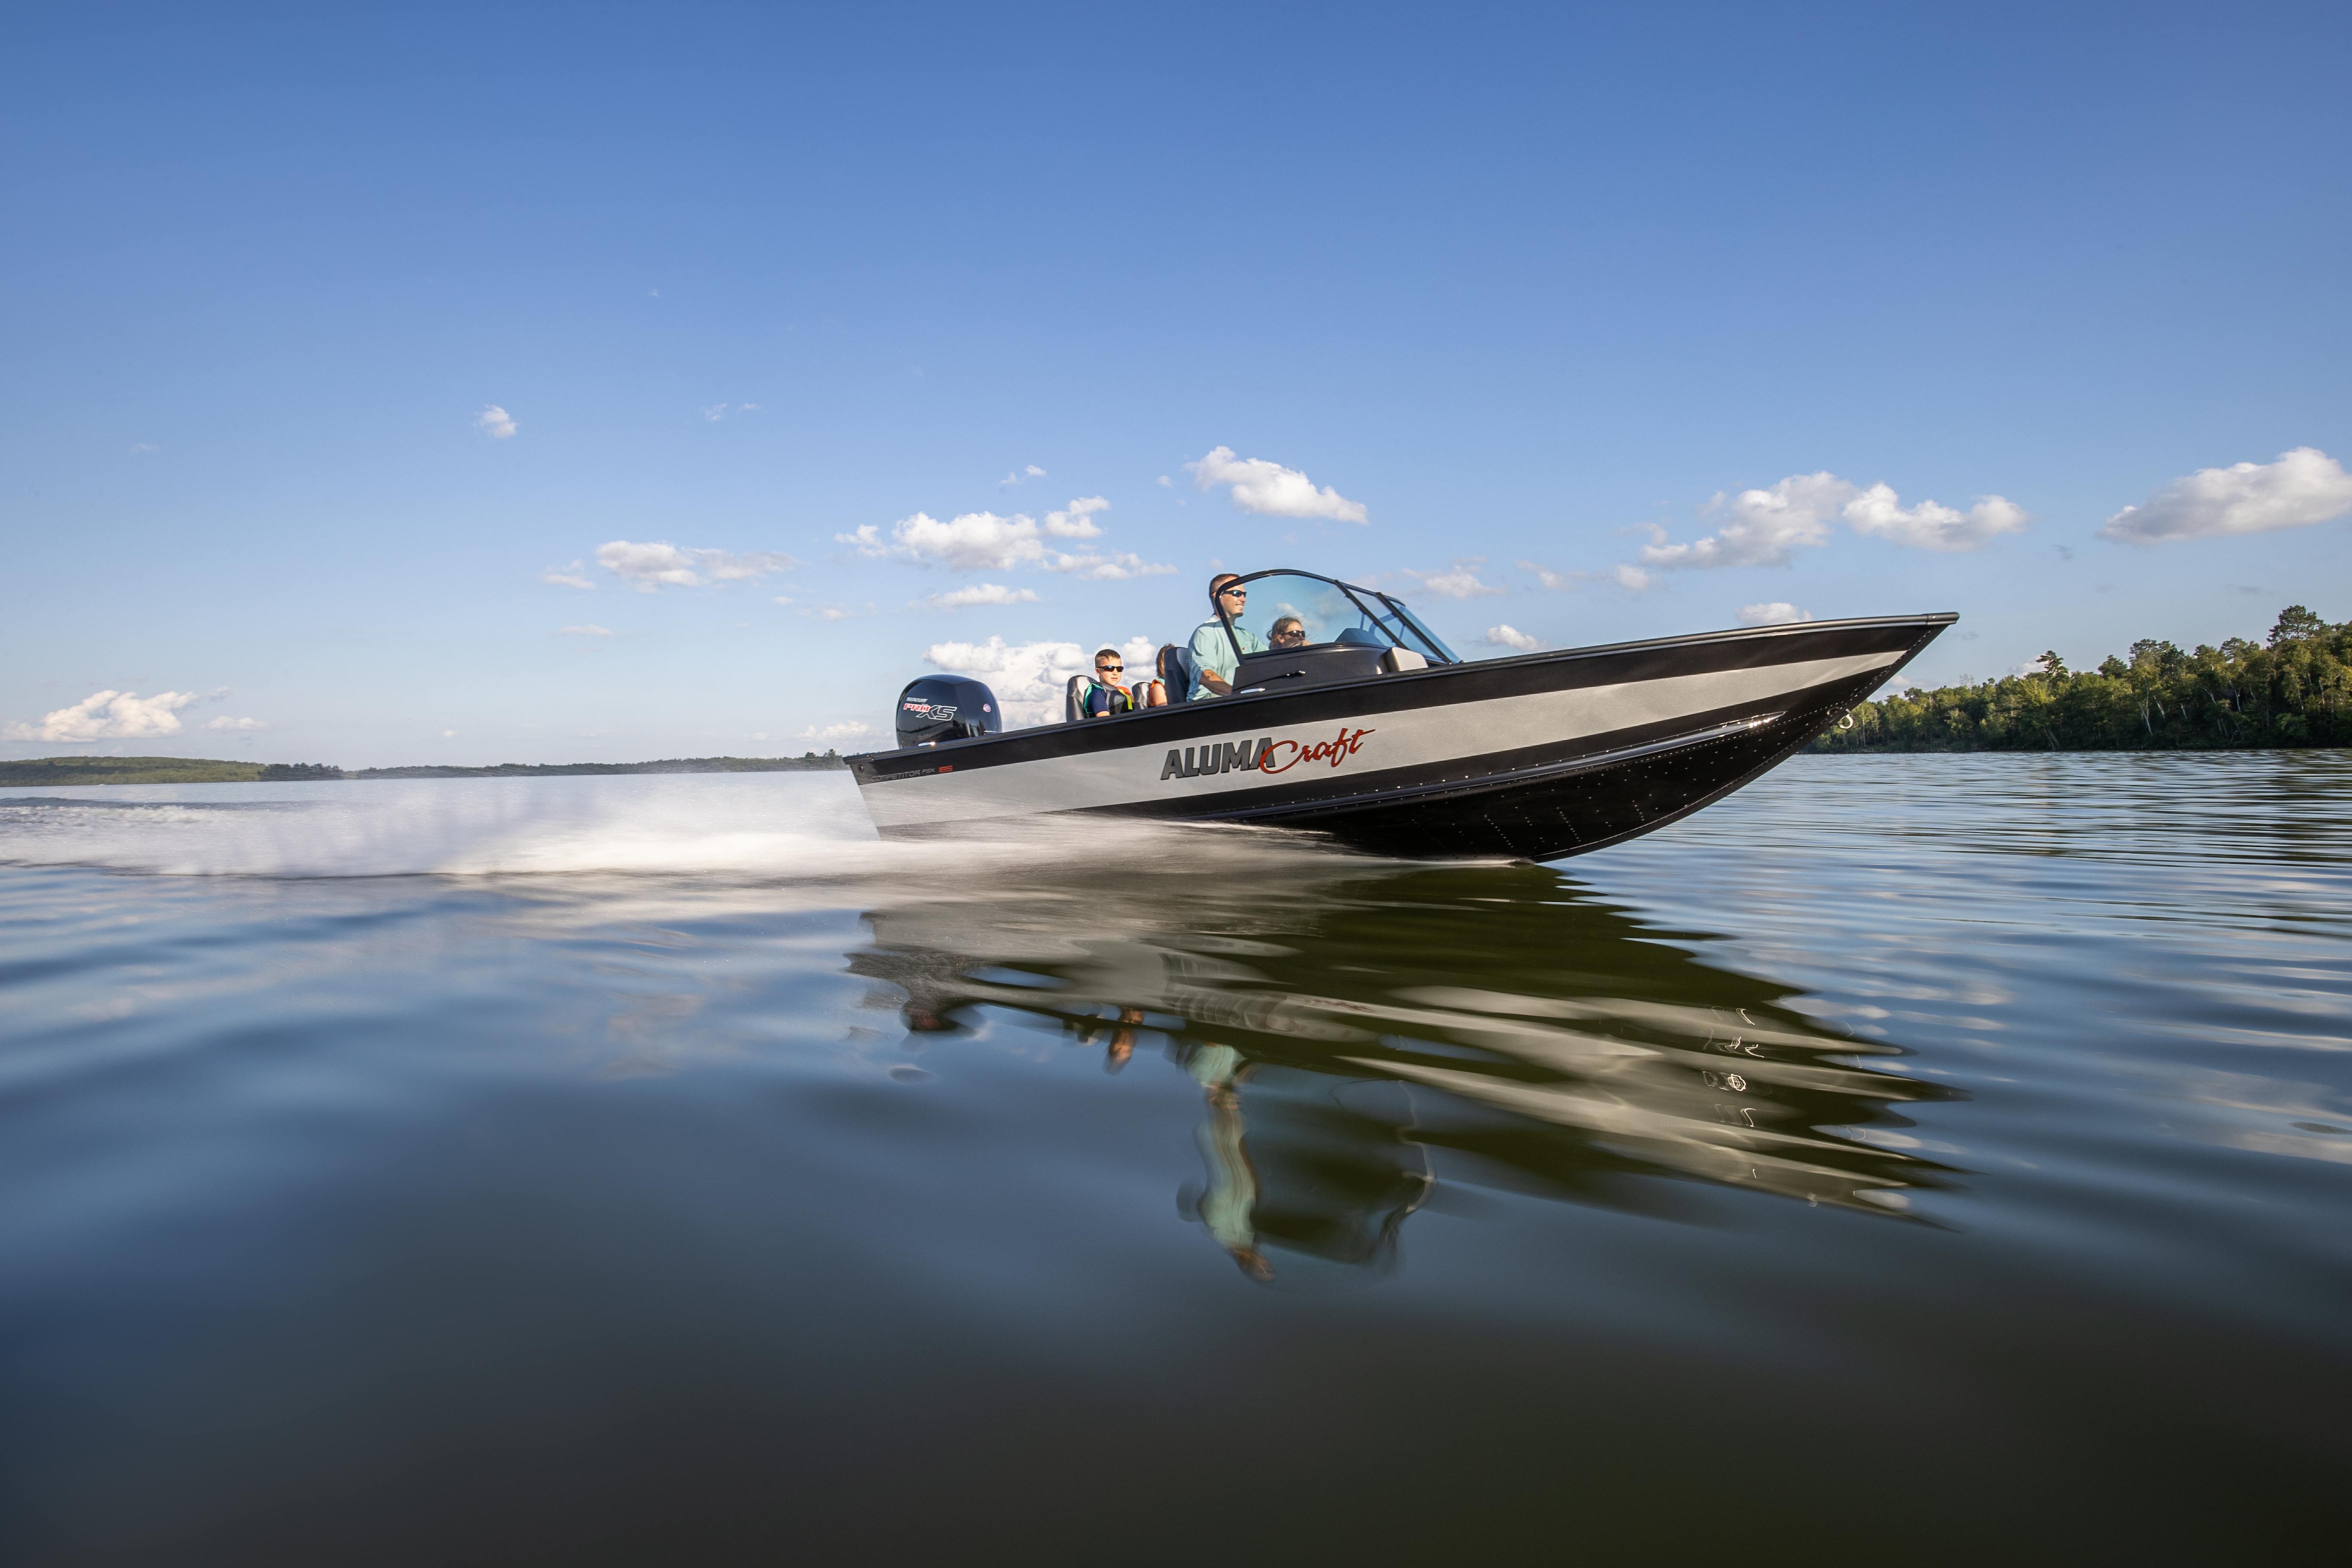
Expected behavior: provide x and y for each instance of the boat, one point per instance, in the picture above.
(1373, 733)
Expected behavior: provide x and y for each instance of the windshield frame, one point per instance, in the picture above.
(1430, 647)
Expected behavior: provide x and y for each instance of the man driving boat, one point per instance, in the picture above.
(1214, 655)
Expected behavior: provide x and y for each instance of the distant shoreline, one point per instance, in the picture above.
(2292, 691)
(67, 772)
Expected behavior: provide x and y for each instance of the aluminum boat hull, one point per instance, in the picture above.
(1534, 758)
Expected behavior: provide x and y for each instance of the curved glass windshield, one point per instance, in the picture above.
(1288, 610)
(1292, 609)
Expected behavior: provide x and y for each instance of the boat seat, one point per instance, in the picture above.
(1174, 669)
(1071, 712)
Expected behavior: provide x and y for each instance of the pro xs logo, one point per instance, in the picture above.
(1268, 755)
(930, 709)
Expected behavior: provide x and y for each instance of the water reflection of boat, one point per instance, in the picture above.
(1372, 731)
(1359, 1038)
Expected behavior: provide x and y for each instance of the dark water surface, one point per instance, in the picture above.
(1909, 1159)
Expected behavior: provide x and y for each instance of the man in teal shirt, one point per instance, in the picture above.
(1214, 656)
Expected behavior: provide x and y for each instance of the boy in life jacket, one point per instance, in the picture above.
(1104, 696)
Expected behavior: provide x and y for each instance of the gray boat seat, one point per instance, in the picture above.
(1174, 669)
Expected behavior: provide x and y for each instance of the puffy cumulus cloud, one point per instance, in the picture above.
(649, 568)
(1030, 678)
(108, 716)
(573, 576)
(226, 722)
(1459, 581)
(1510, 637)
(1633, 579)
(586, 631)
(1272, 491)
(1778, 612)
(2304, 487)
(1763, 527)
(495, 421)
(1927, 526)
(1557, 582)
(986, 541)
(1760, 527)
(982, 594)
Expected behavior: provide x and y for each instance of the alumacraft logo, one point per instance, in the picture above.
(1266, 756)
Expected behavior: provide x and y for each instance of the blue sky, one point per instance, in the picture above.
(1525, 286)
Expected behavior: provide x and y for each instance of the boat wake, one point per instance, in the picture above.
(758, 828)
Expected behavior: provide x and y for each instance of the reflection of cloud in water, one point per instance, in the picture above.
(1359, 1031)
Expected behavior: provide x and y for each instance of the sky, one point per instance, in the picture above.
(543, 383)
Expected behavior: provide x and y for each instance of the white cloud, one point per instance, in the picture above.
(1030, 678)
(574, 576)
(143, 446)
(108, 716)
(448, 735)
(1760, 528)
(495, 421)
(1459, 581)
(1032, 472)
(1558, 582)
(1508, 636)
(1928, 526)
(583, 632)
(1097, 567)
(1272, 491)
(226, 722)
(715, 413)
(1633, 579)
(648, 568)
(2304, 487)
(982, 594)
(831, 732)
(1778, 612)
(985, 542)
(1166, 483)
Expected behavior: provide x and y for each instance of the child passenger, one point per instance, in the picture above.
(1104, 695)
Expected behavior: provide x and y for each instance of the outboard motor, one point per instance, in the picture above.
(946, 707)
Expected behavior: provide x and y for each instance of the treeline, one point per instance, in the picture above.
(69, 771)
(2293, 689)
(63, 771)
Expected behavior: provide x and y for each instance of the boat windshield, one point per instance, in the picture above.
(1293, 609)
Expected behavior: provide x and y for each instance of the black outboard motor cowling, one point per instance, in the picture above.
(946, 707)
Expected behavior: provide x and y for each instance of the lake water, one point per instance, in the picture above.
(1910, 1158)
